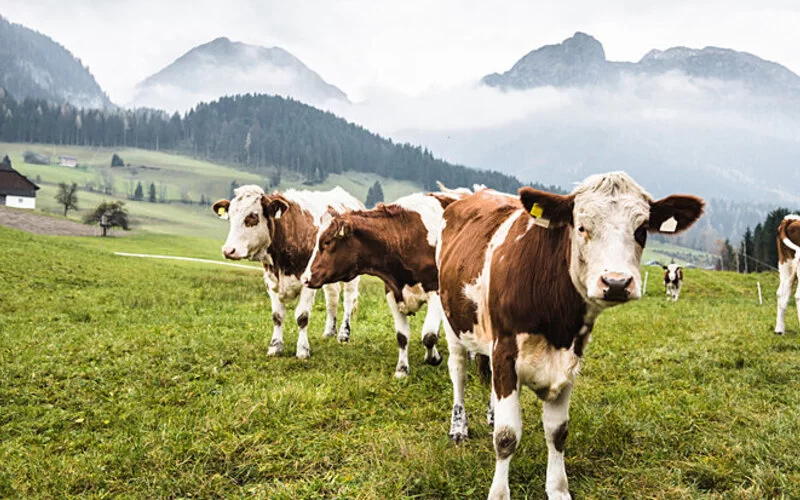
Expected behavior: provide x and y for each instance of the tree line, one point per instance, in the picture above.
(256, 132)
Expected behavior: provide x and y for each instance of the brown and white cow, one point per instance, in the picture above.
(788, 266)
(396, 243)
(673, 281)
(528, 296)
(280, 230)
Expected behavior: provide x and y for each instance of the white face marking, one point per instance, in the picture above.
(608, 210)
(672, 271)
(245, 242)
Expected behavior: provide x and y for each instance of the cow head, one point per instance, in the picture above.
(608, 217)
(249, 236)
(336, 253)
(672, 273)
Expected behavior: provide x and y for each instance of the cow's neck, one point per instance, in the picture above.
(531, 280)
(292, 240)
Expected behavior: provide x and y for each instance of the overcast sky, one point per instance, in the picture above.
(367, 47)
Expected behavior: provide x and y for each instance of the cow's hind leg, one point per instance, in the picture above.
(797, 292)
(331, 304)
(507, 413)
(350, 306)
(302, 315)
(787, 273)
(278, 317)
(457, 366)
(403, 331)
(430, 330)
(555, 417)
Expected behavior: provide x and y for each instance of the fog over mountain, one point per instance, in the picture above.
(714, 121)
(33, 65)
(223, 67)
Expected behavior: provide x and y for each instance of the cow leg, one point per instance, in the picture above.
(797, 292)
(457, 366)
(490, 409)
(784, 291)
(555, 417)
(350, 305)
(301, 315)
(430, 330)
(669, 292)
(331, 305)
(278, 317)
(403, 330)
(507, 413)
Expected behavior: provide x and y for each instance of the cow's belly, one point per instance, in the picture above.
(413, 299)
(287, 286)
(544, 368)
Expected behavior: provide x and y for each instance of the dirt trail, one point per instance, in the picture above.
(36, 223)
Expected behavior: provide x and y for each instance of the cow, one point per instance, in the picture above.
(673, 281)
(280, 230)
(396, 243)
(522, 281)
(788, 266)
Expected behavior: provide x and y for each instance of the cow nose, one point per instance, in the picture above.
(616, 287)
(229, 252)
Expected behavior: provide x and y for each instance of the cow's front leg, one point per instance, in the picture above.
(403, 331)
(302, 314)
(350, 306)
(555, 418)
(331, 304)
(430, 330)
(784, 292)
(507, 413)
(457, 366)
(278, 317)
(797, 292)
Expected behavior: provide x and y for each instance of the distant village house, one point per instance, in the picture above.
(15, 189)
(68, 161)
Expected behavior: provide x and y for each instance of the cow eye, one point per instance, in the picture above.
(581, 229)
(640, 235)
(251, 219)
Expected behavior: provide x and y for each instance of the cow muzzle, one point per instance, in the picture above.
(616, 287)
(230, 253)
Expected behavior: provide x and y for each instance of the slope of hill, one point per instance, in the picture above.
(222, 67)
(32, 65)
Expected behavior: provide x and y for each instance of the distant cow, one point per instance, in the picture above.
(280, 230)
(673, 281)
(396, 243)
(523, 280)
(788, 265)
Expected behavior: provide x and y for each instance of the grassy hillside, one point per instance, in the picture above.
(180, 176)
(140, 378)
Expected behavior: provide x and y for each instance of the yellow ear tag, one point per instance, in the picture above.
(537, 211)
(221, 211)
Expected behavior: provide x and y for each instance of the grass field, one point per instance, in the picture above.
(141, 378)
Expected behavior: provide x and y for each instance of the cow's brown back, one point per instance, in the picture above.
(788, 228)
(293, 238)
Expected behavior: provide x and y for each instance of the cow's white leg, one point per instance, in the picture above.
(457, 366)
(507, 425)
(331, 304)
(669, 292)
(784, 291)
(490, 409)
(430, 329)
(350, 306)
(278, 317)
(301, 315)
(403, 330)
(797, 293)
(555, 417)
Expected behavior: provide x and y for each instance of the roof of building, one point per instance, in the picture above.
(13, 183)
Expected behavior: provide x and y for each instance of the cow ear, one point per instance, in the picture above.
(665, 267)
(221, 208)
(547, 208)
(344, 230)
(274, 207)
(675, 213)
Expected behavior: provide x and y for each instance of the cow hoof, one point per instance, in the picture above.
(558, 495)
(343, 339)
(434, 360)
(303, 353)
(458, 437)
(778, 332)
(401, 372)
(329, 334)
(275, 350)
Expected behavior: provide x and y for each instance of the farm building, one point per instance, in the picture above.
(15, 189)
(68, 161)
(35, 158)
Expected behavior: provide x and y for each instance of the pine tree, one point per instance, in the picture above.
(138, 195)
(374, 195)
(151, 196)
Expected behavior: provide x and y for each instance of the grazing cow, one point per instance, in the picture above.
(396, 243)
(522, 280)
(280, 230)
(673, 281)
(788, 265)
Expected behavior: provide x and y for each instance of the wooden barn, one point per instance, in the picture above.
(15, 189)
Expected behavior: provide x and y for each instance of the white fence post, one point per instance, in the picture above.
(760, 298)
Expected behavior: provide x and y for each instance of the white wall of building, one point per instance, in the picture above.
(20, 202)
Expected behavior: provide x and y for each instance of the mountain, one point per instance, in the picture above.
(580, 60)
(222, 67)
(33, 65)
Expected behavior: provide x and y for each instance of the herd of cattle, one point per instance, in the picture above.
(518, 281)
